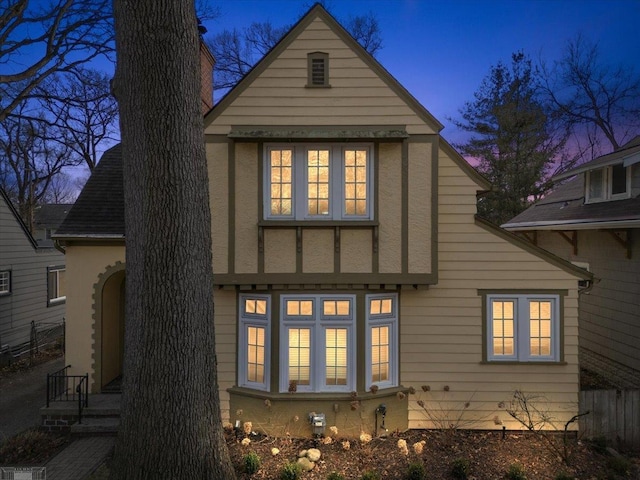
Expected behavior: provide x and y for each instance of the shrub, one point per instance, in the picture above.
(619, 465)
(416, 471)
(460, 469)
(291, 471)
(564, 476)
(335, 476)
(516, 472)
(251, 463)
(599, 445)
(370, 476)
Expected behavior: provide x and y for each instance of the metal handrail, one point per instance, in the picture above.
(83, 393)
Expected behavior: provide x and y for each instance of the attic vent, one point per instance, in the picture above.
(318, 70)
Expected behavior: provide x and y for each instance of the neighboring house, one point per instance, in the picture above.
(32, 283)
(593, 220)
(47, 220)
(348, 263)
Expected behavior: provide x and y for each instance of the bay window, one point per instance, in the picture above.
(317, 335)
(382, 341)
(253, 341)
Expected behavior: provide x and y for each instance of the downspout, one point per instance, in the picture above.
(59, 247)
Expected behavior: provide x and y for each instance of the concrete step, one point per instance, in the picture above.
(93, 426)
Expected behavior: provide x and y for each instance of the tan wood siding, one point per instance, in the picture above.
(609, 323)
(442, 331)
(357, 96)
(226, 312)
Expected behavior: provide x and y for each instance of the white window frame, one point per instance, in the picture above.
(53, 298)
(247, 320)
(390, 320)
(5, 282)
(336, 183)
(607, 185)
(317, 323)
(522, 328)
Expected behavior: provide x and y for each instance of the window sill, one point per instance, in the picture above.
(56, 301)
(248, 392)
(317, 86)
(516, 362)
(284, 223)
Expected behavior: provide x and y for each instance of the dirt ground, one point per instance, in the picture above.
(489, 456)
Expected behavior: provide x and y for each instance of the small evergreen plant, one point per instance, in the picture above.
(251, 463)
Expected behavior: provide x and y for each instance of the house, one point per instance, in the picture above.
(47, 219)
(349, 265)
(593, 220)
(32, 285)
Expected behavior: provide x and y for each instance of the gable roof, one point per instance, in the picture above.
(99, 211)
(18, 218)
(317, 11)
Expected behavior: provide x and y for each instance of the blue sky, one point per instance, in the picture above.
(441, 50)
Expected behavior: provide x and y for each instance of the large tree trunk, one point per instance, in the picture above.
(170, 422)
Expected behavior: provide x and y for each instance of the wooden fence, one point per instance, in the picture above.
(614, 414)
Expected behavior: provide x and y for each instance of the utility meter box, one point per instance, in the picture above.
(318, 423)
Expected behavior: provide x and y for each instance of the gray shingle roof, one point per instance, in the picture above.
(51, 215)
(565, 207)
(99, 210)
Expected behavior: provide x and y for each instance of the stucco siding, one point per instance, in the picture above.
(218, 170)
(357, 96)
(246, 208)
(87, 264)
(390, 207)
(609, 316)
(318, 251)
(280, 251)
(419, 220)
(355, 251)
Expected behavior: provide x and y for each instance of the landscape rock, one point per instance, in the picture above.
(313, 454)
(306, 464)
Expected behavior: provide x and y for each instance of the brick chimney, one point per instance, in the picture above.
(206, 72)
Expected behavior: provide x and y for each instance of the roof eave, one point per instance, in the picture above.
(588, 224)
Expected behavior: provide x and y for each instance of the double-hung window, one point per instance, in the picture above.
(253, 341)
(318, 182)
(5, 282)
(317, 343)
(56, 285)
(523, 328)
(382, 341)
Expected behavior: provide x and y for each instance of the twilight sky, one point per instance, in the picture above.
(441, 50)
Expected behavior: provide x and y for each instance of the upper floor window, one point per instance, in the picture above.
(318, 182)
(56, 285)
(612, 182)
(523, 328)
(318, 69)
(5, 282)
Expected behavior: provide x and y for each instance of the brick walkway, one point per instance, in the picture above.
(624, 378)
(80, 458)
